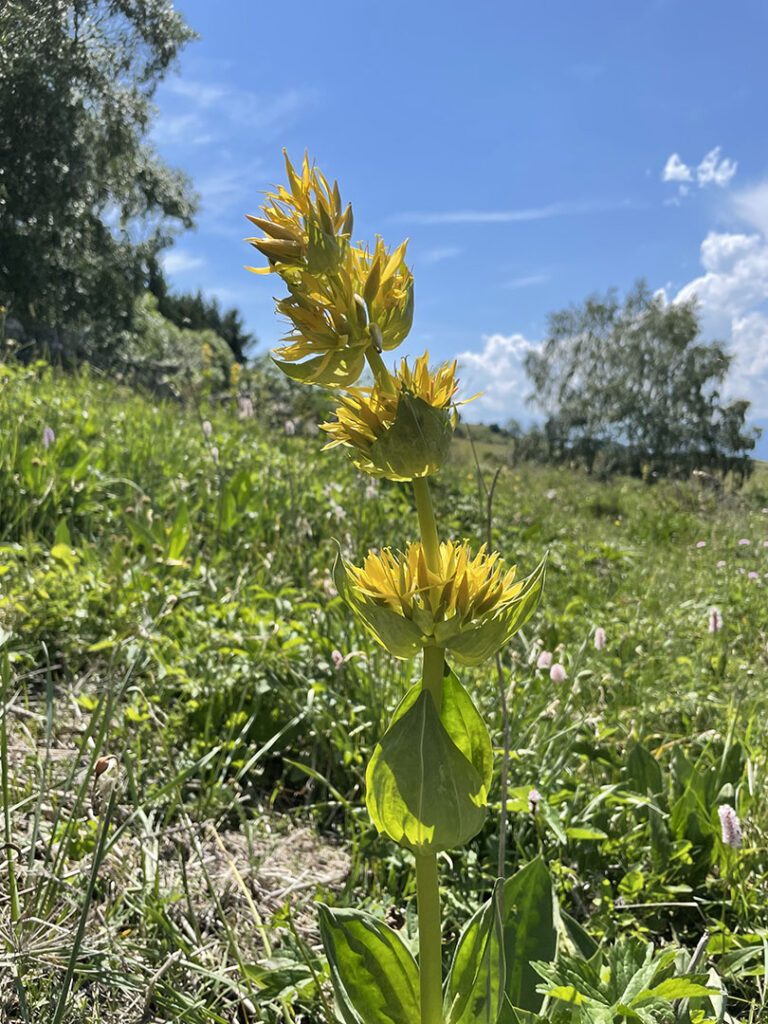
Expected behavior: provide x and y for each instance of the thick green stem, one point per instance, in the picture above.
(381, 374)
(430, 939)
(427, 524)
(427, 888)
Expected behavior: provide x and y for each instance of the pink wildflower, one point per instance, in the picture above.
(557, 673)
(534, 799)
(715, 620)
(720, 564)
(207, 428)
(214, 453)
(754, 575)
(337, 658)
(289, 428)
(743, 541)
(551, 494)
(701, 543)
(731, 826)
(599, 638)
(544, 660)
(48, 438)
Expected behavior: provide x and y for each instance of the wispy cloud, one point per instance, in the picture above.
(214, 110)
(178, 261)
(431, 256)
(527, 282)
(564, 209)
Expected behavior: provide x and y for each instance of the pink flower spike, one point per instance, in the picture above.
(544, 660)
(701, 543)
(207, 428)
(599, 638)
(534, 799)
(731, 826)
(557, 673)
(48, 438)
(715, 620)
(337, 658)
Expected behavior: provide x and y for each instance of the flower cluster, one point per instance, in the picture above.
(468, 605)
(343, 299)
(401, 428)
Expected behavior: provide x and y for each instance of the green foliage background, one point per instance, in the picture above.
(185, 579)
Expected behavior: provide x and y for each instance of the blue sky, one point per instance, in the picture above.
(532, 153)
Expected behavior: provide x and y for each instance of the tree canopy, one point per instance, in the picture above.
(85, 201)
(632, 382)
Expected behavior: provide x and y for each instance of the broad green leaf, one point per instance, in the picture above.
(529, 934)
(576, 937)
(644, 772)
(375, 978)
(677, 988)
(474, 991)
(421, 789)
(578, 832)
(466, 726)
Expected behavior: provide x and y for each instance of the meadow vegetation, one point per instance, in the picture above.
(188, 710)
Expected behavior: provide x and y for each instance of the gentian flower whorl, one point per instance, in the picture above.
(401, 432)
(471, 605)
(343, 299)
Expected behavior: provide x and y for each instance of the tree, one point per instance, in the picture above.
(632, 378)
(193, 311)
(85, 201)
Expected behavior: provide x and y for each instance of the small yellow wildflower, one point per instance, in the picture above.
(470, 605)
(343, 299)
(402, 433)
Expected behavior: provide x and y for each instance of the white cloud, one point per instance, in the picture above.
(498, 372)
(178, 261)
(732, 294)
(713, 170)
(676, 170)
(751, 204)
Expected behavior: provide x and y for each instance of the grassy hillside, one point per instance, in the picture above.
(189, 708)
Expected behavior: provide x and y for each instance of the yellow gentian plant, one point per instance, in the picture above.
(430, 773)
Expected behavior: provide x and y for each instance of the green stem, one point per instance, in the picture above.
(427, 888)
(430, 939)
(427, 524)
(381, 374)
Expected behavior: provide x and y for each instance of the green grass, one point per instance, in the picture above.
(166, 598)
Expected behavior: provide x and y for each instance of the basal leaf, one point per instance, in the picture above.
(475, 986)
(375, 978)
(529, 934)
